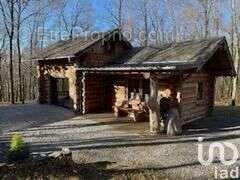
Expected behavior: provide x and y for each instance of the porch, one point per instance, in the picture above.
(143, 96)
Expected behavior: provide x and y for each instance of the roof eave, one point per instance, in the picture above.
(53, 58)
(122, 69)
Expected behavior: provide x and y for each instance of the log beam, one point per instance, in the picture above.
(154, 107)
(83, 91)
(77, 106)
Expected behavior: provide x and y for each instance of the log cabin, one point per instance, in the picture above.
(168, 85)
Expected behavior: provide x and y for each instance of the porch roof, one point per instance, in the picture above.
(148, 67)
(187, 55)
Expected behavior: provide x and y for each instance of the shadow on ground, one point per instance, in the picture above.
(103, 131)
(223, 119)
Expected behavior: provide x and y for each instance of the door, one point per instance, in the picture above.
(108, 96)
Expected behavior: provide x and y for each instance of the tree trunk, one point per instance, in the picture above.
(1, 83)
(236, 51)
(120, 14)
(206, 23)
(11, 71)
(145, 24)
(11, 35)
(19, 66)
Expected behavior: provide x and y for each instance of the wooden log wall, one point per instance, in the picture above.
(93, 93)
(101, 93)
(43, 87)
(191, 108)
(101, 53)
(95, 59)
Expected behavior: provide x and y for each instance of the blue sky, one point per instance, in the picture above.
(100, 13)
(100, 10)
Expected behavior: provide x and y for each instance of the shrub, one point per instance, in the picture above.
(18, 150)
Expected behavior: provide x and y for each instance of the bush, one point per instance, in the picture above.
(18, 150)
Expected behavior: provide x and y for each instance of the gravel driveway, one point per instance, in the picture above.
(126, 146)
(17, 117)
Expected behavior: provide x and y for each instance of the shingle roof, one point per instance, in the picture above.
(188, 51)
(172, 56)
(71, 47)
(174, 53)
(64, 48)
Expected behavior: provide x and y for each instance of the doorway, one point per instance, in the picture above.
(59, 90)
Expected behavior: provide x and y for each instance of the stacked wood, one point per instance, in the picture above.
(120, 94)
(134, 108)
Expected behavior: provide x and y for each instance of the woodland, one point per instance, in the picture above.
(28, 26)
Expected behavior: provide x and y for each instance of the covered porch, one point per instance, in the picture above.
(138, 95)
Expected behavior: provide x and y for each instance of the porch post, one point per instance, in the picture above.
(83, 93)
(154, 108)
(77, 93)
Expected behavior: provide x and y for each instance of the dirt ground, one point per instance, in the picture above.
(125, 145)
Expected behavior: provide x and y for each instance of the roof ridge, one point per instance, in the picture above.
(185, 41)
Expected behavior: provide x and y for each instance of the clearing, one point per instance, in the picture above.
(125, 145)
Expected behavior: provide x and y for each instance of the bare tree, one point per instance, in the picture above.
(20, 8)
(235, 40)
(7, 8)
(34, 22)
(28, 23)
(144, 12)
(79, 17)
(2, 53)
(207, 8)
(116, 12)
(141, 11)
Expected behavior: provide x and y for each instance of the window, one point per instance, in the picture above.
(200, 91)
(63, 87)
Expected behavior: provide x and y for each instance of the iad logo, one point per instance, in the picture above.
(221, 149)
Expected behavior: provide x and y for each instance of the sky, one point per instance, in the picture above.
(100, 13)
(100, 10)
